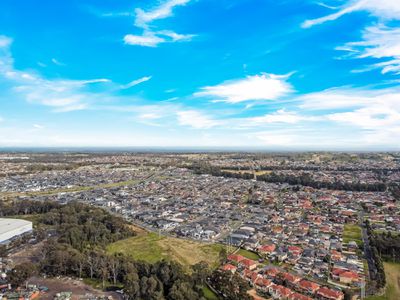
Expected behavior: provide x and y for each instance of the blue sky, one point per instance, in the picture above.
(265, 74)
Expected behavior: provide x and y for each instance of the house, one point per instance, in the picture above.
(298, 296)
(279, 291)
(325, 293)
(290, 279)
(309, 287)
(345, 276)
(248, 264)
(230, 268)
(262, 284)
(236, 258)
(267, 248)
(272, 272)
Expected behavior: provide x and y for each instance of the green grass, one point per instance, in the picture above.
(151, 247)
(248, 254)
(209, 294)
(352, 232)
(392, 292)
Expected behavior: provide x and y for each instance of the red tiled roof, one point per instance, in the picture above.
(248, 262)
(309, 285)
(272, 272)
(298, 296)
(235, 257)
(229, 267)
(294, 249)
(262, 282)
(349, 274)
(283, 291)
(291, 278)
(330, 294)
(267, 248)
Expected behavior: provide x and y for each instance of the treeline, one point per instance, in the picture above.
(83, 226)
(301, 179)
(53, 167)
(140, 280)
(77, 249)
(379, 278)
(230, 286)
(26, 207)
(387, 245)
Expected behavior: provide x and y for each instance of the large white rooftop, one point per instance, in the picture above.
(7, 225)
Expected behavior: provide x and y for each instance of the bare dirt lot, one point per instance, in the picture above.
(77, 287)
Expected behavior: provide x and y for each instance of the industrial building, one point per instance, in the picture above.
(12, 228)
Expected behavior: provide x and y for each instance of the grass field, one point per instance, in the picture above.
(392, 271)
(209, 294)
(248, 254)
(151, 248)
(352, 232)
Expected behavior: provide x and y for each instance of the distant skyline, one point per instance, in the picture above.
(200, 74)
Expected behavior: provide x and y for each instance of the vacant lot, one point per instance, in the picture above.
(352, 232)
(151, 248)
(77, 287)
(392, 271)
(248, 254)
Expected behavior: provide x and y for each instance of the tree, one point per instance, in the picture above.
(21, 273)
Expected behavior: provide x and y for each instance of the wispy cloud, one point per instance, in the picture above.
(151, 37)
(165, 10)
(380, 42)
(56, 62)
(136, 82)
(61, 94)
(383, 9)
(257, 87)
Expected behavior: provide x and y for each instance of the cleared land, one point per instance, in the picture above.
(248, 254)
(352, 232)
(151, 248)
(78, 288)
(392, 271)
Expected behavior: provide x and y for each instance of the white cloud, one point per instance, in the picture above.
(372, 117)
(258, 87)
(136, 82)
(38, 126)
(383, 9)
(147, 40)
(5, 41)
(56, 62)
(196, 119)
(151, 37)
(143, 18)
(280, 116)
(176, 37)
(348, 98)
(61, 94)
(378, 42)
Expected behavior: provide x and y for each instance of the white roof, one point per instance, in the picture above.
(7, 225)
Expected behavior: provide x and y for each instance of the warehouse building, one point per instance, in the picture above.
(12, 228)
